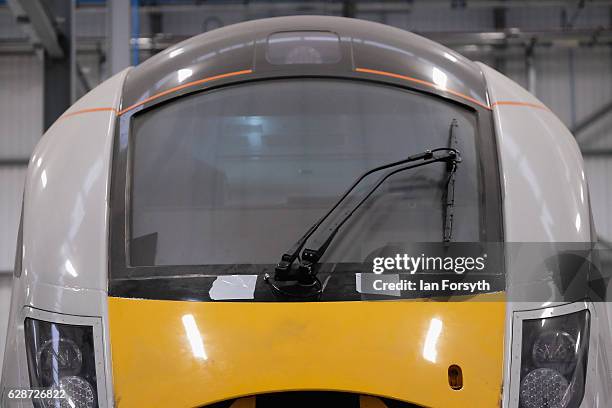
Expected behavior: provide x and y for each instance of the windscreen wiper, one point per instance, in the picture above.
(310, 257)
(283, 268)
(305, 273)
(448, 210)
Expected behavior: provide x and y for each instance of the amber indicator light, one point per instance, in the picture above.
(455, 377)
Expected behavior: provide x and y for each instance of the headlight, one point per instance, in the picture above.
(554, 360)
(61, 357)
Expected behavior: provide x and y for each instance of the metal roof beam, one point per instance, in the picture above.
(510, 38)
(591, 119)
(597, 153)
(394, 6)
(14, 161)
(38, 24)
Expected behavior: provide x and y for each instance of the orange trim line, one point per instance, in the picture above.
(514, 103)
(249, 71)
(187, 85)
(421, 82)
(66, 115)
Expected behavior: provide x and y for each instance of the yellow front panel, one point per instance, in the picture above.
(187, 354)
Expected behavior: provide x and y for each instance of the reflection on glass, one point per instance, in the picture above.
(303, 47)
(176, 52)
(450, 57)
(439, 78)
(183, 74)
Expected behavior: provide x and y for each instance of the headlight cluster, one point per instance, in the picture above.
(554, 359)
(61, 357)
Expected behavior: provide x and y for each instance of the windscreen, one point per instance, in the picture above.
(234, 176)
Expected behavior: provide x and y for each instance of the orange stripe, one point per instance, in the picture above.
(421, 82)
(188, 84)
(66, 115)
(248, 71)
(527, 104)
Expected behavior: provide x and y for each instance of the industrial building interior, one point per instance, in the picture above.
(52, 52)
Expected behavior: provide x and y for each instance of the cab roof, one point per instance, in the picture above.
(366, 50)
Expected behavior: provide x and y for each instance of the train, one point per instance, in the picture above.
(242, 220)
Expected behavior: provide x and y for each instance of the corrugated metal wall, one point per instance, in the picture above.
(599, 173)
(20, 129)
(5, 299)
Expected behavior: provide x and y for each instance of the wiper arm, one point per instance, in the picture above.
(311, 257)
(283, 268)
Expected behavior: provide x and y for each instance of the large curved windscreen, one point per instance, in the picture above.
(235, 176)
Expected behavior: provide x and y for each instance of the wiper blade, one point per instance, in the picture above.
(448, 210)
(304, 274)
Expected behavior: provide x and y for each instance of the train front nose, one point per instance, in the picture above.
(176, 353)
(217, 173)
